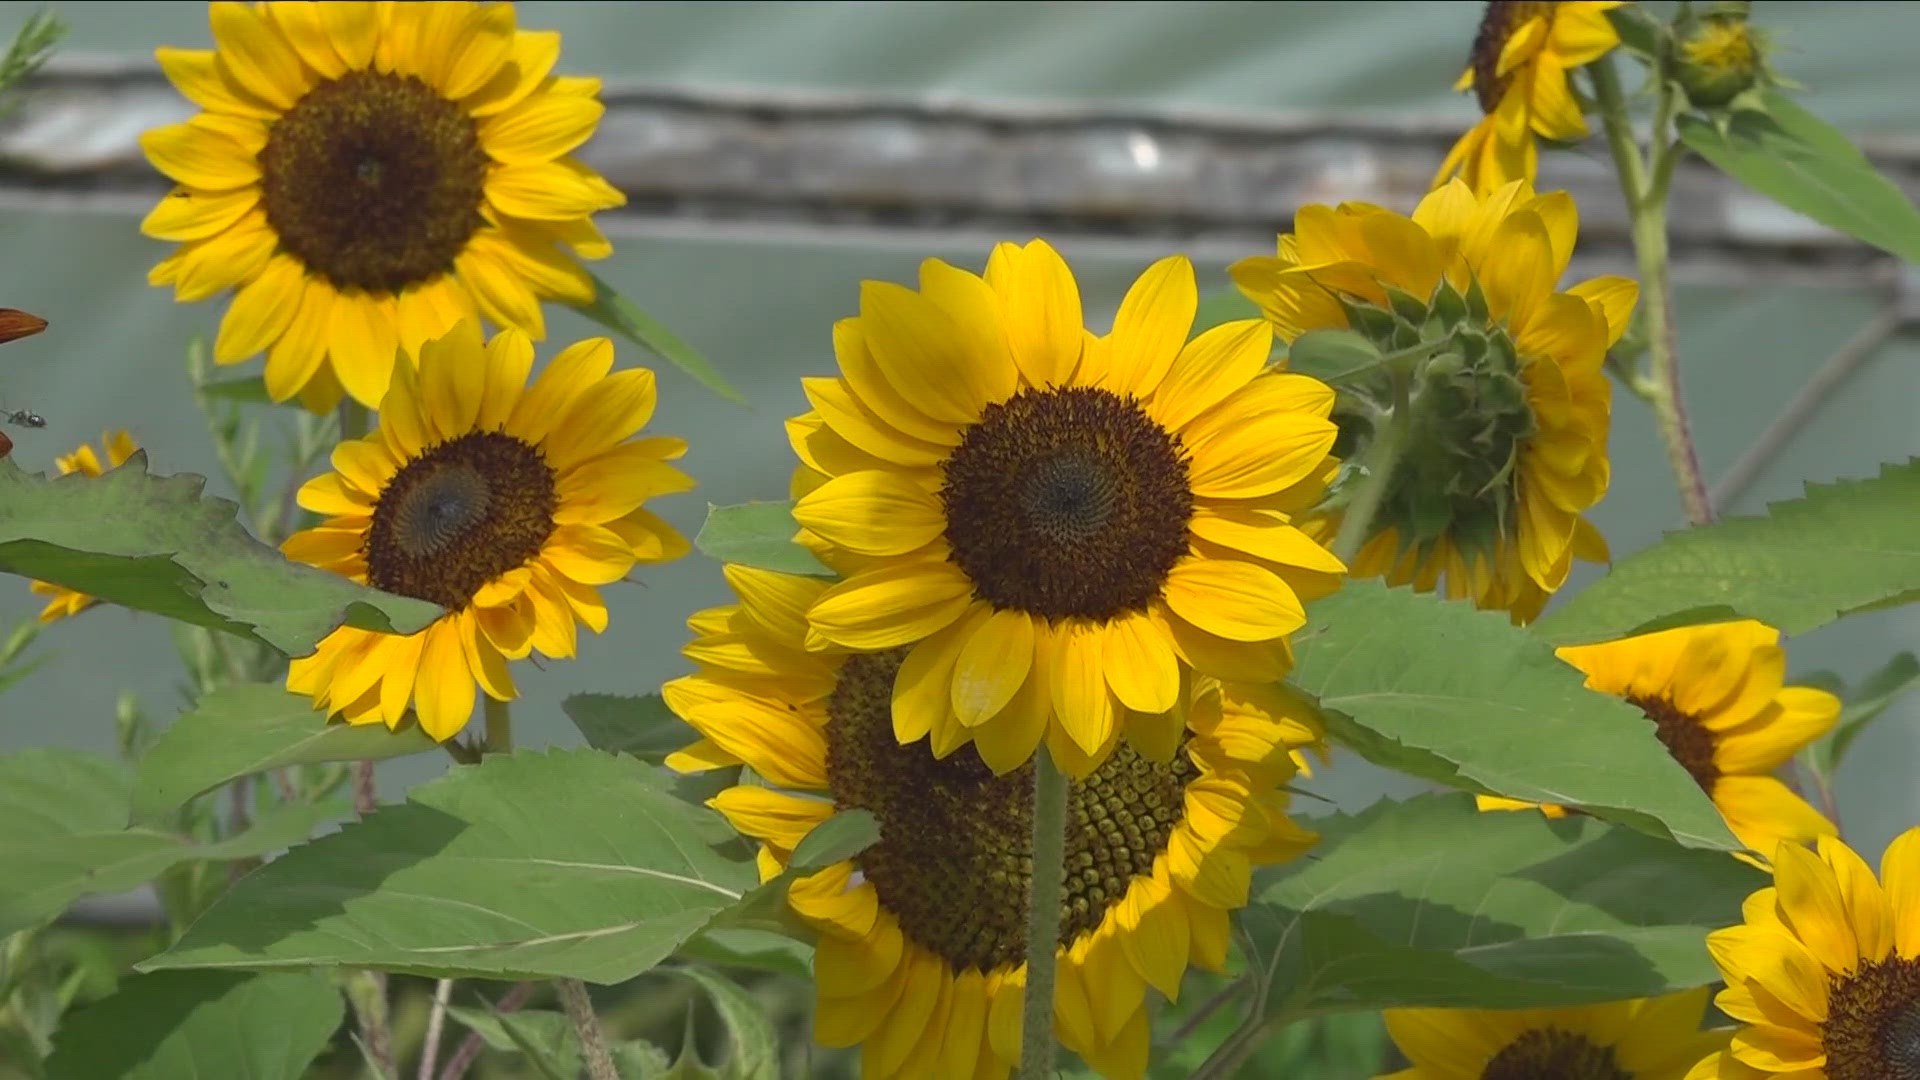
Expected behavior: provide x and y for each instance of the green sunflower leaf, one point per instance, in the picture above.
(529, 865)
(753, 1051)
(156, 543)
(1800, 161)
(619, 724)
(842, 836)
(758, 534)
(248, 728)
(618, 314)
(1432, 903)
(1843, 547)
(63, 834)
(546, 1038)
(1864, 705)
(1332, 355)
(1443, 691)
(201, 1023)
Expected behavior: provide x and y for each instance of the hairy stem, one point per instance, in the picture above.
(1383, 455)
(1646, 195)
(1043, 915)
(593, 1044)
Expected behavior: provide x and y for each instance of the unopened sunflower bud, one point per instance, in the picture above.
(1718, 55)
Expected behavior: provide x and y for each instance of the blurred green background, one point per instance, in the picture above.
(761, 306)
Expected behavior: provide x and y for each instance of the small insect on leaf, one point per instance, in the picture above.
(18, 324)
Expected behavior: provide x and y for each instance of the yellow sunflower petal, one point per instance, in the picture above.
(872, 513)
(1868, 912)
(992, 665)
(1141, 668)
(1614, 297)
(1154, 931)
(1237, 601)
(1042, 303)
(891, 605)
(199, 158)
(529, 61)
(765, 814)
(923, 688)
(1209, 368)
(1151, 327)
(567, 376)
(261, 312)
(196, 74)
(444, 689)
(188, 215)
(259, 58)
(1900, 876)
(549, 190)
(1083, 706)
(1012, 736)
(1811, 905)
(620, 405)
(916, 344)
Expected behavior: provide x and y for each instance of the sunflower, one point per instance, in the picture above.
(921, 945)
(367, 175)
(119, 447)
(1824, 969)
(1643, 1039)
(1060, 529)
(1519, 72)
(1511, 409)
(1715, 696)
(507, 504)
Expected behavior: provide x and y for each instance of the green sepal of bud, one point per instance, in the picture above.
(1719, 57)
(1469, 411)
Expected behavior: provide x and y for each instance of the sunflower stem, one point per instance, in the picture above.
(499, 726)
(1383, 455)
(1043, 915)
(593, 1044)
(1646, 196)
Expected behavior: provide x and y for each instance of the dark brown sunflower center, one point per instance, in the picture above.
(1067, 502)
(1872, 1030)
(954, 859)
(1497, 27)
(460, 515)
(1690, 743)
(374, 181)
(1552, 1054)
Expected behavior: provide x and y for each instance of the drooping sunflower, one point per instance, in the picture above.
(366, 175)
(1716, 696)
(1510, 411)
(1519, 71)
(921, 945)
(508, 504)
(1824, 969)
(119, 446)
(1061, 529)
(1643, 1039)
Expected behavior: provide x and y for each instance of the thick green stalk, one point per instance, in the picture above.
(499, 725)
(1646, 195)
(1383, 455)
(1043, 915)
